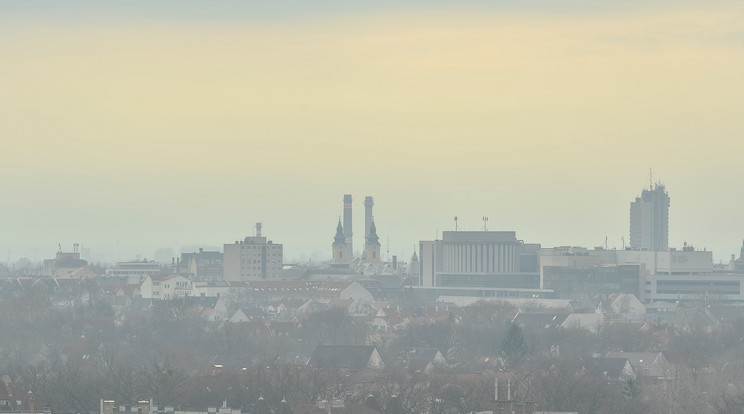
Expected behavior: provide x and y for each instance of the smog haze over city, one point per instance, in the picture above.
(128, 127)
(390, 207)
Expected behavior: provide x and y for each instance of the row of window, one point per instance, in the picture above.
(217, 261)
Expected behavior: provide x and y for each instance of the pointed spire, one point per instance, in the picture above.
(414, 258)
(339, 238)
(372, 238)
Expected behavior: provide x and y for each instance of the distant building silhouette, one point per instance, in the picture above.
(253, 258)
(369, 202)
(340, 254)
(372, 244)
(649, 219)
(348, 233)
(479, 264)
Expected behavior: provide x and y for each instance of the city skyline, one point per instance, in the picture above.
(389, 207)
(127, 124)
(140, 251)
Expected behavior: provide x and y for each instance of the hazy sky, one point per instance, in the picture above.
(139, 124)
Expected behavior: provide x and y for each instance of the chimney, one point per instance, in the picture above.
(258, 229)
(368, 203)
(31, 403)
(395, 262)
(348, 233)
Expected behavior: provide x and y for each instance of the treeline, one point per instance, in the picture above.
(70, 357)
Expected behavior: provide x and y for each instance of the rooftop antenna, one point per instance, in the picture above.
(60, 247)
(485, 223)
(387, 252)
(456, 226)
(623, 239)
(606, 248)
(650, 179)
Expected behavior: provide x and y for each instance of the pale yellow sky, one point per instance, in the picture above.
(158, 133)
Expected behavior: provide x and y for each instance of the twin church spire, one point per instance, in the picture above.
(371, 245)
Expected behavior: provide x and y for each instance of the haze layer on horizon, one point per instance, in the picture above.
(165, 125)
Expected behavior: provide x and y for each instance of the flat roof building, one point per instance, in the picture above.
(477, 260)
(253, 258)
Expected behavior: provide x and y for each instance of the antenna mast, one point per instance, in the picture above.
(387, 252)
(485, 223)
(456, 227)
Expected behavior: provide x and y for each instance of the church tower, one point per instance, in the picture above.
(339, 246)
(372, 244)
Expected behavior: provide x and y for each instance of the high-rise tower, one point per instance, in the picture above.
(649, 219)
(347, 226)
(368, 203)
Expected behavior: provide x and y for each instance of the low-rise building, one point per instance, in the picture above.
(165, 287)
(134, 271)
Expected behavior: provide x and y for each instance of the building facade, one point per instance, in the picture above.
(372, 245)
(253, 258)
(64, 263)
(135, 271)
(649, 220)
(203, 265)
(340, 254)
(476, 259)
(165, 287)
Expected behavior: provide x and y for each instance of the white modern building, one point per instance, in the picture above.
(135, 271)
(669, 262)
(165, 287)
(479, 264)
